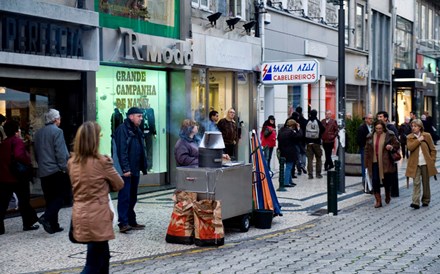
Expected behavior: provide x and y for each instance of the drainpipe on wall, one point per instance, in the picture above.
(393, 102)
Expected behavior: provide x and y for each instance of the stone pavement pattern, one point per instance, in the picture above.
(391, 239)
(291, 238)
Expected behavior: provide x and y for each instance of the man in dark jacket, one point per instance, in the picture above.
(288, 138)
(131, 151)
(313, 135)
(362, 134)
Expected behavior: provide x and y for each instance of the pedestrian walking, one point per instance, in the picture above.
(313, 136)
(328, 138)
(362, 133)
(12, 149)
(381, 168)
(404, 131)
(288, 137)
(383, 116)
(421, 162)
(51, 154)
(268, 138)
(229, 130)
(93, 177)
(132, 157)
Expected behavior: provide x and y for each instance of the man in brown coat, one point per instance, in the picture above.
(421, 162)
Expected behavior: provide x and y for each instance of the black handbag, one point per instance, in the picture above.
(71, 237)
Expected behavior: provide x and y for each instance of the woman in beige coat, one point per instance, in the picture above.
(421, 162)
(93, 177)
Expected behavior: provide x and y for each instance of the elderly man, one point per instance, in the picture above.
(51, 154)
(328, 138)
(132, 158)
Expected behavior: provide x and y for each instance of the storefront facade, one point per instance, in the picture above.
(143, 64)
(47, 60)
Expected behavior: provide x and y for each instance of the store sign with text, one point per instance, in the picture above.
(290, 72)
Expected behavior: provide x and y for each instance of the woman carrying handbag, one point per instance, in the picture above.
(13, 152)
(93, 177)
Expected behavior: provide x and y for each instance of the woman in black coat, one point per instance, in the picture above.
(288, 138)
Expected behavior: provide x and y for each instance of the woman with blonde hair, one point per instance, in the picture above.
(93, 177)
(421, 162)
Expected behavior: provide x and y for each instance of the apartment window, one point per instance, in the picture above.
(430, 26)
(422, 26)
(403, 45)
(380, 47)
(359, 30)
(347, 13)
(201, 4)
(237, 8)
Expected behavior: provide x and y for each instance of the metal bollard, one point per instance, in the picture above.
(339, 186)
(332, 195)
(282, 161)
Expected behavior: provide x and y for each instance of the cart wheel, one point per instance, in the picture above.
(245, 223)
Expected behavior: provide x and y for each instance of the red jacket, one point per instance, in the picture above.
(20, 154)
(331, 130)
(271, 140)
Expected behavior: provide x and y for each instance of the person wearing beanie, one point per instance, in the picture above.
(51, 154)
(268, 138)
(132, 158)
(313, 135)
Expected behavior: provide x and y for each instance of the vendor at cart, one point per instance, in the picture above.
(186, 150)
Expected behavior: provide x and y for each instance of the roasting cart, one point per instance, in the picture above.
(231, 184)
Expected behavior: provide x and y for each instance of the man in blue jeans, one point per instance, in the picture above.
(132, 157)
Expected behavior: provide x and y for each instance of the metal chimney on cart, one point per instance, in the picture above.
(211, 149)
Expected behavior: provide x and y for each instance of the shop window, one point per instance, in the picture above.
(119, 89)
(218, 96)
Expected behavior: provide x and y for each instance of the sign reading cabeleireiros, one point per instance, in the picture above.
(291, 72)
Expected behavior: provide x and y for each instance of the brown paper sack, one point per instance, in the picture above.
(181, 227)
(208, 223)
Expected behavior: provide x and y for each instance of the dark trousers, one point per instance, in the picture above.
(328, 147)
(56, 188)
(387, 179)
(98, 258)
(230, 150)
(28, 214)
(394, 177)
(149, 146)
(127, 198)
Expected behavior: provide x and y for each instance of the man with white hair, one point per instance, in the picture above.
(404, 130)
(51, 154)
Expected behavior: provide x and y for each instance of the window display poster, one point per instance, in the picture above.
(119, 89)
(158, 17)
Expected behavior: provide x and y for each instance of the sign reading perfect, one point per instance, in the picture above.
(293, 72)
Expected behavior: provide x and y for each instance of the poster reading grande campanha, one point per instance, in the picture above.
(119, 89)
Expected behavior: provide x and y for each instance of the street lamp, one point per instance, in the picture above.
(341, 89)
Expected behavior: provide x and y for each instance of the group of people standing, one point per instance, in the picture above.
(299, 141)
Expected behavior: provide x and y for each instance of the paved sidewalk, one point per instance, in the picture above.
(37, 251)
